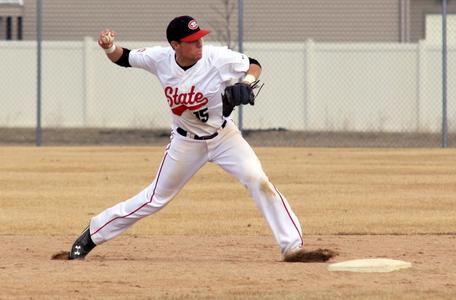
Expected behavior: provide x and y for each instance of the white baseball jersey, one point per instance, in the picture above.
(194, 95)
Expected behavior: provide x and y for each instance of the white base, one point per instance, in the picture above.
(370, 265)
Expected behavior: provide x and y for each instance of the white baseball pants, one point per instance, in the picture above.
(183, 158)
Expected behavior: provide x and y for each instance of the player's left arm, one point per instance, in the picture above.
(242, 92)
(253, 73)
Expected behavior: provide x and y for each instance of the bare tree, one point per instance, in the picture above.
(222, 26)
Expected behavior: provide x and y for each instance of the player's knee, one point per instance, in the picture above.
(255, 180)
(267, 188)
(262, 187)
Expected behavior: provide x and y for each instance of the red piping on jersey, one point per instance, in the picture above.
(151, 197)
(283, 202)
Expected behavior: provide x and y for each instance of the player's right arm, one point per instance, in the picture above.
(113, 52)
(144, 58)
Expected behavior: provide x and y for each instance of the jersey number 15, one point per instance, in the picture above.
(202, 115)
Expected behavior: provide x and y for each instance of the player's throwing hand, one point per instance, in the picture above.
(106, 38)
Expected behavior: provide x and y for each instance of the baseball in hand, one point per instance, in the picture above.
(108, 38)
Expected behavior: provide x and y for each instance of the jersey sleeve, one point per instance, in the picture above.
(231, 64)
(145, 58)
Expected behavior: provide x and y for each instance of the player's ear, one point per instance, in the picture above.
(174, 44)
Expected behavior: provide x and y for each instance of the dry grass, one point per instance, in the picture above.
(56, 191)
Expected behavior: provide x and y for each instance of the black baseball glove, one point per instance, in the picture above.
(237, 94)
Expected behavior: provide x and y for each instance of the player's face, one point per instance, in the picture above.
(190, 52)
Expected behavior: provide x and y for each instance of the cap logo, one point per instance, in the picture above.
(192, 25)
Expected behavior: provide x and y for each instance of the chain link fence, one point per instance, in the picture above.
(350, 73)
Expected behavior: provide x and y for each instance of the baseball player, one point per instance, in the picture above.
(194, 77)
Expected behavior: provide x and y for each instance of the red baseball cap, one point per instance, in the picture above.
(184, 29)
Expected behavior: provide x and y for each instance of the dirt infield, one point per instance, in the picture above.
(211, 241)
(229, 267)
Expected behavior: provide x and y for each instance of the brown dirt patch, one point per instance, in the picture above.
(224, 267)
(310, 256)
(62, 255)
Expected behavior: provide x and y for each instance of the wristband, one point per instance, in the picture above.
(249, 78)
(111, 49)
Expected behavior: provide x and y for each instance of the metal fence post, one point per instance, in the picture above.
(240, 46)
(39, 10)
(444, 76)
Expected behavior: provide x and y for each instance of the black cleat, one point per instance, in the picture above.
(82, 246)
